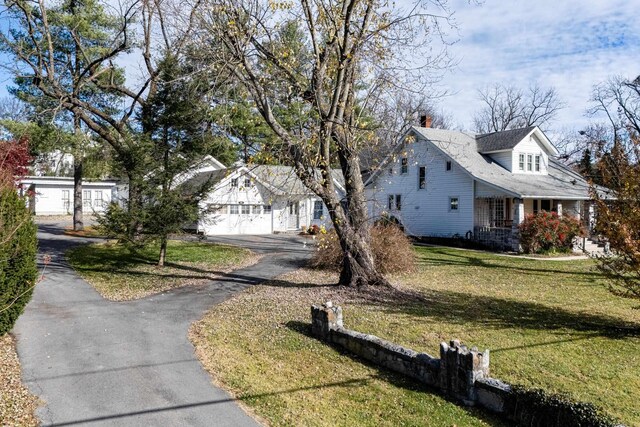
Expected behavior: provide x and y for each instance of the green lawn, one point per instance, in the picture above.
(548, 324)
(120, 273)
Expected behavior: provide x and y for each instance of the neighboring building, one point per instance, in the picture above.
(53, 195)
(259, 200)
(444, 183)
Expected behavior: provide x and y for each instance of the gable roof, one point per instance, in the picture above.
(559, 183)
(461, 147)
(279, 179)
(504, 140)
(508, 139)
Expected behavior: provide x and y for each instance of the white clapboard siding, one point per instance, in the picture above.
(425, 212)
(529, 145)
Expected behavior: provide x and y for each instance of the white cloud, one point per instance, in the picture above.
(568, 44)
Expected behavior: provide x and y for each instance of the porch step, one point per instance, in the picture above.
(591, 247)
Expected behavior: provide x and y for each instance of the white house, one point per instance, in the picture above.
(448, 183)
(53, 195)
(258, 200)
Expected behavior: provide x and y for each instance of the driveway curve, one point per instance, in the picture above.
(98, 362)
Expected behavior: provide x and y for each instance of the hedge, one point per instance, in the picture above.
(18, 247)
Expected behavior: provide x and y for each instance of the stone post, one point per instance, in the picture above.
(324, 318)
(518, 218)
(460, 368)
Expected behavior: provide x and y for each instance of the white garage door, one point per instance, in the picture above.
(240, 219)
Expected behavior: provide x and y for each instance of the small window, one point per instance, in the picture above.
(448, 165)
(86, 198)
(453, 204)
(390, 171)
(66, 202)
(521, 162)
(234, 209)
(256, 209)
(234, 182)
(318, 209)
(398, 202)
(537, 163)
(266, 209)
(529, 162)
(245, 209)
(422, 178)
(98, 200)
(390, 204)
(404, 166)
(247, 182)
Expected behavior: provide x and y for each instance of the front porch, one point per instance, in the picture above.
(497, 218)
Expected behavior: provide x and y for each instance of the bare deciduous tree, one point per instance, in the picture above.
(507, 107)
(313, 82)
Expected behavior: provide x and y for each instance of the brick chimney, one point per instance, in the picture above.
(425, 121)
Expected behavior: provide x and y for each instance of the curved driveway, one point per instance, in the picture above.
(96, 362)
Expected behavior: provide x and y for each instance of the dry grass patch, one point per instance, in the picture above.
(17, 405)
(257, 346)
(121, 273)
(88, 231)
(548, 324)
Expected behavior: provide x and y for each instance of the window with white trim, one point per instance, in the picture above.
(537, 163)
(98, 199)
(266, 209)
(454, 204)
(318, 209)
(256, 209)
(404, 165)
(86, 198)
(247, 182)
(529, 162)
(422, 177)
(395, 202)
(521, 162)
(234, 182)
(245, 209)
(234, 209)
(66, 201)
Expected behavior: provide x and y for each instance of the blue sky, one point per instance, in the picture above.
(568, 44)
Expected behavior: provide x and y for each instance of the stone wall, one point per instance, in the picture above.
(461, 373)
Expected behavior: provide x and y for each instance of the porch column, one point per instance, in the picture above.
(559, 208)
(518, 218)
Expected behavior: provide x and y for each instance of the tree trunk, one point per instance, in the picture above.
(78, 224)
(133, 208)
(358, 265)
(163, 251)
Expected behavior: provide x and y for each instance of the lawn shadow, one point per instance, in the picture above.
(462, 258)
(396, 379)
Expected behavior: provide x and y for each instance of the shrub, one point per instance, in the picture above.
(392, 250)
(18, 270)
(547, 231)
(313, 230)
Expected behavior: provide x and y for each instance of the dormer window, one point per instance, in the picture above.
(404, 166)
(234, 183)
(537, 164)
(529, 162)
(247, 182)
(521, 162)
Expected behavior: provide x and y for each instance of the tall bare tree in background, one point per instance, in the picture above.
(508, 107)
(311, 69)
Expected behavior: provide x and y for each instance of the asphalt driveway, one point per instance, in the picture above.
(97, 362)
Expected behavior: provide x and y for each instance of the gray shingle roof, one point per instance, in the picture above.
(504, 140)
(559, 183)
(281, 178)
